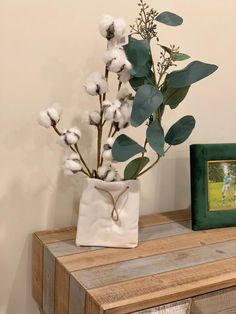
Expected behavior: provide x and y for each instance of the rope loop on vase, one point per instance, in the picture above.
(114, 212)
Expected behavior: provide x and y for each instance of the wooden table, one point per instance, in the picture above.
(171, 263)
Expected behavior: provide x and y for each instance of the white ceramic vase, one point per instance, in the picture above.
(109, 214)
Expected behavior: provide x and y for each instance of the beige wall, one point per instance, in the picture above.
(47, 49)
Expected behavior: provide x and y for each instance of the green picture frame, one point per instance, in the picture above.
(201, 155)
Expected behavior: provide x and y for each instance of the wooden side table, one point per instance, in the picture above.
(173, 270)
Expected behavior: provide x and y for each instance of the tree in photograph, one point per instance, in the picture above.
(216, 172)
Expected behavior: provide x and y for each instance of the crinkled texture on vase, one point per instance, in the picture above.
(116, 60)
(96, 84)
(72, 165)
(108, 173)
(94, 118)
(70, 136)
(111, 28)
(49, 117)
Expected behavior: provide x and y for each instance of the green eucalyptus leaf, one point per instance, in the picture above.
(155, 137)
(180, 131)
(147, 99)
(174, 96)
(134, 167)
(167, 49)
(138, 54)
(124, 148)
(136, 82)
(169, 18)
(192, 73)
(180, 56)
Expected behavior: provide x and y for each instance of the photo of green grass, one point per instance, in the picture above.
(221, 185)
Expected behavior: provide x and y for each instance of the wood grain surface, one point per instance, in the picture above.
(171, 269)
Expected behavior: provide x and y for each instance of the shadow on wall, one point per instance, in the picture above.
(169, 186)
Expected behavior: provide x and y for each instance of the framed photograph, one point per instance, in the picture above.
(213, 185)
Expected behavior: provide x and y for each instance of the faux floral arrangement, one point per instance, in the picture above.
(152, 87)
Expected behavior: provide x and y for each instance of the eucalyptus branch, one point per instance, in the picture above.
(150, 167)
(145, 24)
(153, 164)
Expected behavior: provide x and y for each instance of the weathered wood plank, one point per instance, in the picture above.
(68, 247)
(62, 284)
(104, 275)
(48, 282)
(163, 218)
(63, 248)
(91, 307)
(165, 230)
(150, 291)
(77, 297)
(147, 248)
(180, 307)
(70, 261)
(56, 235)
(63, 234)
(37, 270)
(219, 301)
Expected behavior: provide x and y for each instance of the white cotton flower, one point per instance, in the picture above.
(111, 176)
(124, 76)
(111, 28)
(123, 94)
(72, 164)
(119, 26)
(107, 155)
(107, 173)
(116, 60)
(70, 136)
(110, 141)
(106, 27)
(112, 112)
(107, 149)
(96, 84)
(49, 117)
(94, 118)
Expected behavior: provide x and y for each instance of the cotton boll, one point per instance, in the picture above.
(44, 120)
(115, 59)
(106, 27)
(119, 27)
(123, 94)
(126, 110)
(124, 76)
(102, 171)
(68, 172)
(70, 136)
(94, 118)
(49, 117)
(96, 84)
(72, 164)
(107, 155)
(111, 175)
(110, 141)
(92, 88)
